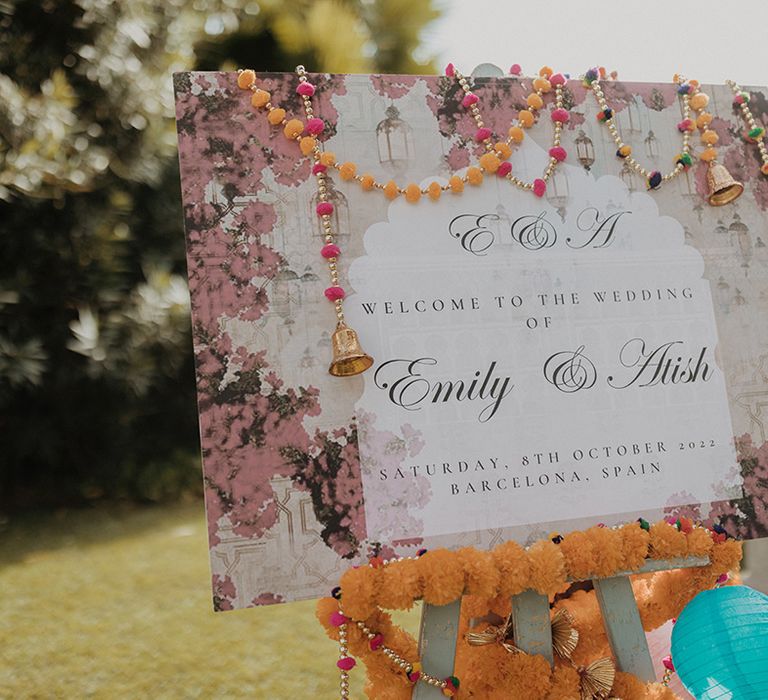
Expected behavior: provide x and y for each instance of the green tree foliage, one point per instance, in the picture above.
(96, 379)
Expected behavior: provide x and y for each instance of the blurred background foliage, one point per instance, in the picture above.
(96, 378)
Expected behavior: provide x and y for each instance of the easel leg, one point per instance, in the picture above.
(531, 624)
(437, 645)
(625, 630)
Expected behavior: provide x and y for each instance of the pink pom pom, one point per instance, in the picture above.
(557, 79)
(504, 169)
(539, 187)
(685, 125)
(346, 663)
(337, 619)
(722, 578)
(469, 99)
(324, 209)
(334, 293)
(306, 89)
(450, 70)
(515, 69)
(482, 134)
(315, 126)
(560, 115)
(667, 662)
(319, 168)
(330, 251)
(376, 642)
(670, 520)
(739, 100)
(558, 153)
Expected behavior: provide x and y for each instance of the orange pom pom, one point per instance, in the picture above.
(699, 101)
(307, 145)
(328, 158)
(703, 120)
(367, 182)
(412, 193)
(502, 149)
(534, 101)
(293, 128)
(710, 137)
(276, 116)
(246, 78)
(489, 162)
(516, 134)
(347, 171)
(708, 154)
(456, 184)
(474, 175)
(260, 98)
(525, 118)
(391, 190)
(542, 84)
(434, 190)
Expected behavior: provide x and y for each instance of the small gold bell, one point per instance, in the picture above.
(722, 187)
(348, 357)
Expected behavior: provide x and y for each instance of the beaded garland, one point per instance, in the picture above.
(494, 161)
(754, 133)
(683, 160)
(354, 615)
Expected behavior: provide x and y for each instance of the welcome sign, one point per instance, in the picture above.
(593, 355)
(548, 364)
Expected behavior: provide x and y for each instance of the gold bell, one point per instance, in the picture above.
(722, 187)
(348, 357)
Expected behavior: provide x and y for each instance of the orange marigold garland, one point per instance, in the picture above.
(487, 580)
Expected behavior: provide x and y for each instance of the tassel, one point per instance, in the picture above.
(564, 636)
(597, 679)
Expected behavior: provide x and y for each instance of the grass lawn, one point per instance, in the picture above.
(117, 604)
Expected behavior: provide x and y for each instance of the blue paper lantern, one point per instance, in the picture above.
(720, 645)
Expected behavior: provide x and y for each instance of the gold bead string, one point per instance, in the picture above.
(624, 150)
(755, 133)
(526, 118)
(322, 196)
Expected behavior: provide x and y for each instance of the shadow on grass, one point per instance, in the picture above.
(34, 532)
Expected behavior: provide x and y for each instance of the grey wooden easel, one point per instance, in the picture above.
(532, 629)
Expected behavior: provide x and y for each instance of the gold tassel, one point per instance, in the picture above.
(597, 679)
(495, 634)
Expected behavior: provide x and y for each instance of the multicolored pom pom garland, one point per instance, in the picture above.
(653, 178)
(755, 133)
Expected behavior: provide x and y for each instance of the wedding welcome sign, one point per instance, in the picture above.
(597, 354)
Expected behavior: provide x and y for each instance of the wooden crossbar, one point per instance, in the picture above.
(532, 630)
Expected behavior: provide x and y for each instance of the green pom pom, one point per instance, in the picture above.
(756, 133)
